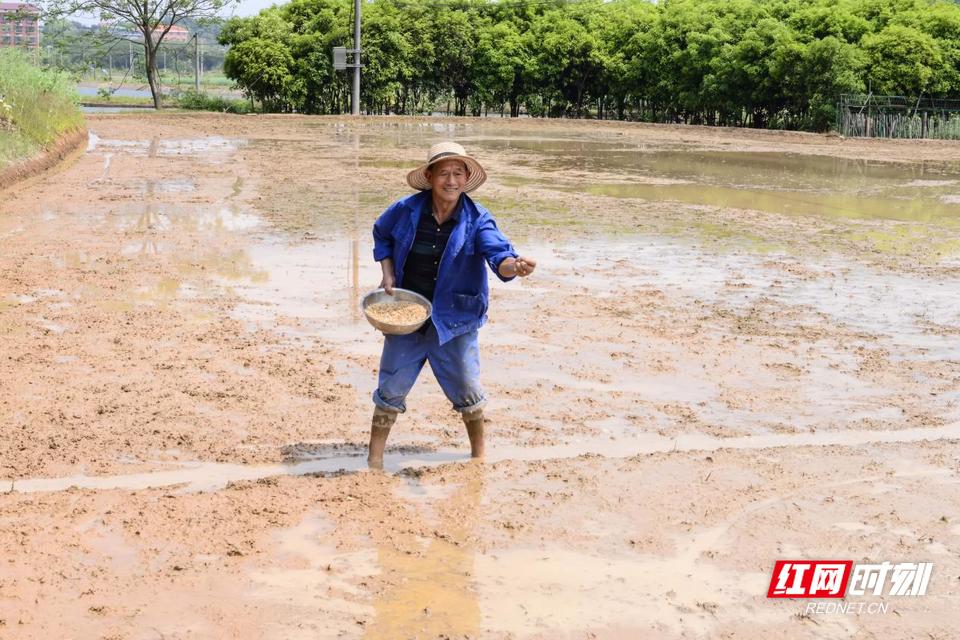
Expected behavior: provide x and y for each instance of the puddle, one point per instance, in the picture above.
(164, 291)
(106, 546)
(305, 571)
(71, 260)
(761, 169)
(313, 290)
(145, 247)
(434, 592)
(213, 148)
(157, 216)
(855, 191)
(50, 326)
(908, 310)
(551, 591)
(320, 284)
(449, 588)
(236, 189)
(900, 307)
(175, 185)
(330, 459)
(781, 201)
(92, 140)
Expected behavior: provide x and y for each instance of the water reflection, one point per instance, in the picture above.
(210, 476)
(662, 171)
(840, 204)
(432, 592)
(212, 148)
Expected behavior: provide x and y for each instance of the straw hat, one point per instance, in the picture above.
(447, 151)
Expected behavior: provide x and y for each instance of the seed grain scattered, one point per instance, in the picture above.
(401, 313)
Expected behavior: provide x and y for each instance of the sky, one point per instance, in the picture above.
(252, 7)
(244, 8)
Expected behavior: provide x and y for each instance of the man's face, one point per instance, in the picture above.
(447, 179)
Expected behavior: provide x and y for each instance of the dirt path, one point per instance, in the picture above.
(684, 394)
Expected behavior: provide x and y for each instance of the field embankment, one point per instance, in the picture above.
(40, 120)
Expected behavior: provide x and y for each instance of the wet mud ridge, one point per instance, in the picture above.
(331, 460)
(737, 348)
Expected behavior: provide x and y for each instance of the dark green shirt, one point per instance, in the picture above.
(423, 261)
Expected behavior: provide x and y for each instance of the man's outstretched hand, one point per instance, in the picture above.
(518, 266)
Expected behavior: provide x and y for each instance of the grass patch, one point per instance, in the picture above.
(194, 101)
(36, 106)
(15, 146)
(105, 98)
(208, 79)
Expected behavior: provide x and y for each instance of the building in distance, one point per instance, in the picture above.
(120, 30)
(19, 25)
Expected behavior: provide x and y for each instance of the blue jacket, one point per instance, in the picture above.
(461, 297)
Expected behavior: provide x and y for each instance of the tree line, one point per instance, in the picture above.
(761, 63)
(90, 49)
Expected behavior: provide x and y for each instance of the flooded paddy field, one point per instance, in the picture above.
(738, 347)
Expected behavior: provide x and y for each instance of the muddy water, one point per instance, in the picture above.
(623, 345)
(904, 204)
(333, 458)
(908, 316)
(772, 182)
(450, 589)
(311, 289)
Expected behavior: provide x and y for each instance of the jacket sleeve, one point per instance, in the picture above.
(382, 232)
(493, 245)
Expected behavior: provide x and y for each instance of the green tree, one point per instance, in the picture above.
(453, 35)
(503, 65)
(616, 25)
(749, 74)
(389, 60)
(905, 61)
(260, 59)
(151, 19)
(779, 63)
(568, 62)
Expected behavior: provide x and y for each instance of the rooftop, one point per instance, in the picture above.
(19, 6)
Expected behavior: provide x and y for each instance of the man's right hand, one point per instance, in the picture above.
(387, 284)
(389, 279)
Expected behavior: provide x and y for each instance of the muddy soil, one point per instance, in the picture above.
(738, 347)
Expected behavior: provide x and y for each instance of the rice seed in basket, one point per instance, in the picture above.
(399, 313)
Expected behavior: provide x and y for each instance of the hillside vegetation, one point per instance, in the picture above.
(36, 107)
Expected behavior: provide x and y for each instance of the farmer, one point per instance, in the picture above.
(436, 242)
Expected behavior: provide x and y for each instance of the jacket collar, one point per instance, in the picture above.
(462, 236)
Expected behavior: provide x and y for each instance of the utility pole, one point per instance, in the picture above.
(196, 62)
(340, 60)
(355, 103)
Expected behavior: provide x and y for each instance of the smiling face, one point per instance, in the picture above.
(447, 179)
